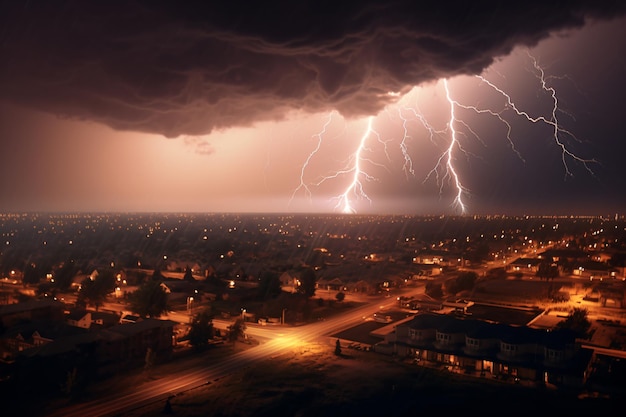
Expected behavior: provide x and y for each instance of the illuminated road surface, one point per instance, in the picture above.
(280, 339)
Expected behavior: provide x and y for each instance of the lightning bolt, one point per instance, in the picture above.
(444, 169)
(454, 143)
(356, 186)
(319, 138)
(406, 137)
(354, 168)
(557, 130)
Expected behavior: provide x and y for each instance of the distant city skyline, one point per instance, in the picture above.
(175, 112)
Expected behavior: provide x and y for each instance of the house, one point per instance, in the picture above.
(422, 303)
(525, 265)
(104, 319)
(127, 343)
(79, 318)
(46, 308)
(129, 318)
(27, 335)
(361, 286)
(594, 270)
(334, 284)
(501, 350)
(44, 366)
(286, 279)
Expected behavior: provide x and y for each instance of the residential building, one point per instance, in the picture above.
(499, 350)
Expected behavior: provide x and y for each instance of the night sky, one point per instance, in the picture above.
(394, 107)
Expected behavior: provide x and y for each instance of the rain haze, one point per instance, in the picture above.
(393, 107)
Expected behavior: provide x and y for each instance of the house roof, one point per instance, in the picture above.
(527, 261)
(30, 305)
(103, 315)
(484, 330)
(76, 314)
(49, 329)
(62, 345)
(128, 329)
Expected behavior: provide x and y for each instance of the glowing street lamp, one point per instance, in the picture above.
(190, 307)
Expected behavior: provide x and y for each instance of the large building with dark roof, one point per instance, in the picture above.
(492, 349)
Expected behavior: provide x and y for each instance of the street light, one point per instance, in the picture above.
(190, 307)
(283, 316)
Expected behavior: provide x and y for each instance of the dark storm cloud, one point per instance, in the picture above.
(179, 68)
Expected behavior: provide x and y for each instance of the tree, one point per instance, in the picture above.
(434, 290)
(478, 254)
(201, 330)
(577, 321)
(618, 259)
(157, 275)
(188, 275)
(338, 348)
(463, 282)
(307, 282)
(269, 285)
(65, 275)
(547, 270)
(340, 296)
(32, 274)
(149, 300)
(236, 330)
(94, 289)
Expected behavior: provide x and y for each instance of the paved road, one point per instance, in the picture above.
(278, 339)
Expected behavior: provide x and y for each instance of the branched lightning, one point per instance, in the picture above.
(319, 137)
(555, 124)
(354, 167)
(444, 170)
(552, 121)
(446, 159)
(432, 132)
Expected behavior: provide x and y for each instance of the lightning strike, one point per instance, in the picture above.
(303, 185)
(552, 121)
(354, 167)
(444, 170)
(444, 167)
(450, 171)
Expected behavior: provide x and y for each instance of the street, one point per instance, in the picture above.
(274, 341)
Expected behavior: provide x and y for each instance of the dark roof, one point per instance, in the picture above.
(128, 329)
(559, 338)
(49, 329)
(76, 314)
(30, 305)
(484, 330)
(131, 317)
(429, 321)
(527, 261)
(522, 335)
(62, 345)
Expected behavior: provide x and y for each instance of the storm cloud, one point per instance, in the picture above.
(183, 68)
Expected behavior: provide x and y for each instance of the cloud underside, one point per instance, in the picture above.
(188, 70)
